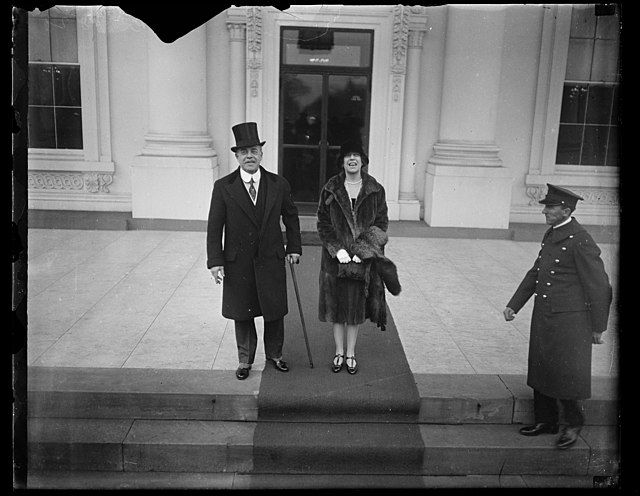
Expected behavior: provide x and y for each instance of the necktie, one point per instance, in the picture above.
(252, 190)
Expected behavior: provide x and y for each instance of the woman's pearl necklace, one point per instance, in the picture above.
(353, 182)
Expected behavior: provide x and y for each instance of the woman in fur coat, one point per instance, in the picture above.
(352, 225)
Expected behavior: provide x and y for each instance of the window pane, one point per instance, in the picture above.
(69, 128)
(594, 148)
(66, 85)
(612, 152)
(605, 61)
(302, 101)
(608, 27)
(579, 60)
(569, 141)
(39, 47)
(301, 167)
(41, 128)
(574, 103)
(599, 106)
(40, 85)
(64, 44)
(583, 21)
(326, 47)
(348, 97)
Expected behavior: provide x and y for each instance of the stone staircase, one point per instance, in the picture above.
(153, 429)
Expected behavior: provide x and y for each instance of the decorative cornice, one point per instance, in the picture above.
(397, 86)
(592, 196)
(400, 39)
(254, 48)
(254, 31)
(417, 25)
(237, 31)
(93, 182)
(415, 39)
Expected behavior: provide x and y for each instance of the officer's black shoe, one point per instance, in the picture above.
(569, 437)
(539, 428)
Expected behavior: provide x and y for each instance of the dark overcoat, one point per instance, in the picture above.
(252, 252)
(340, 227)
(572, 299)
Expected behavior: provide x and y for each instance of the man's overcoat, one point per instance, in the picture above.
(572, 299)
(340, 227)
(252, 251)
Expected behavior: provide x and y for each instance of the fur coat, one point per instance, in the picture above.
(360, 231)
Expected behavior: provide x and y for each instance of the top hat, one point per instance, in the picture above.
(246, 134)
(560, 196)
(352, 147)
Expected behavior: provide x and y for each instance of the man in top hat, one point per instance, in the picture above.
(572, 296)
(246, 251)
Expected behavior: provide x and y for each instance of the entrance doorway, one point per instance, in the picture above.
(325, 89)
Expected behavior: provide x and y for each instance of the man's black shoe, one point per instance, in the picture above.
(569, 436)
(539, 428)
(281, 365)
(242, 373)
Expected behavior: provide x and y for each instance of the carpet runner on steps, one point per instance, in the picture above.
(353, 418)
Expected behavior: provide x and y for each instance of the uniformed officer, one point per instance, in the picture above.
(572, 296)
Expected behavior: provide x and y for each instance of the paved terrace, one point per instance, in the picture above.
(144, 299)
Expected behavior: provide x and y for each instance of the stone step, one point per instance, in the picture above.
(209, 446)
(216, 395)
(96, 480)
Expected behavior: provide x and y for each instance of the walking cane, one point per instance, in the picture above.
(304, 327)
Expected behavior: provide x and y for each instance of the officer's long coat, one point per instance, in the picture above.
(572, 299)
(252, 252)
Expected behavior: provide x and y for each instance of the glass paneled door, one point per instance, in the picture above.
(324, 101)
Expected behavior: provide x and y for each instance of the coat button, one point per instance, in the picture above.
(548, 284)
(557, 261)
(536, 282)
(564, 248)
(544, 296)
(553, 272)
(571, 237)
(535, 294)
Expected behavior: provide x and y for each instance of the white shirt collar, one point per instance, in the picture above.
(563, 223)
(246, 177)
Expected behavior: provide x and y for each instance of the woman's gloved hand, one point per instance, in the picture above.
(343, 256)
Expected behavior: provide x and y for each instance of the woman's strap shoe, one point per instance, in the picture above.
(280, 365)
(338, 362)
(353, 368)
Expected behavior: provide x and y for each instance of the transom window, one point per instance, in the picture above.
(55, 112)
(588, 132)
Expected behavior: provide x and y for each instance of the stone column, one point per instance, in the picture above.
(173, 176)
(407, 200)
(466, 184)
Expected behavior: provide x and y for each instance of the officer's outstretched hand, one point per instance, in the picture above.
(508, 314)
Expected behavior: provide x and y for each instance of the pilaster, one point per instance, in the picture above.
(173, 176)
(466, 184)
